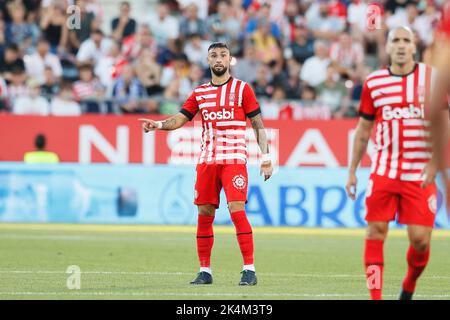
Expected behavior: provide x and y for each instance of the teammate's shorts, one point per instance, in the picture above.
(211, 178)
(386, 198)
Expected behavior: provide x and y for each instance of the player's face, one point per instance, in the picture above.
(401, 47)
(219, 61)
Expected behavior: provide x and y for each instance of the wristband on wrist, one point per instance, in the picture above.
(159, 124)
(266, 157)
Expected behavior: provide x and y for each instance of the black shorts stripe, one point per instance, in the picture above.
(187, 114)
(375, 264)
(205, 236)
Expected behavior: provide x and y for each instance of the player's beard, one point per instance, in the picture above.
(219, 73)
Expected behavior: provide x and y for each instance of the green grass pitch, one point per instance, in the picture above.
(157, 262)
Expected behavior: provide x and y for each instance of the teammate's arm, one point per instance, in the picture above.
(439, 105)
(174, 122)
(362, 136)
(261, 138)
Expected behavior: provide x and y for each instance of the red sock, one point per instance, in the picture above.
(244, 235)
(205, 239)
(417, 261)
(374, 262)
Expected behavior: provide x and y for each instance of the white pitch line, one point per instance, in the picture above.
(145, 273)
(218, 294)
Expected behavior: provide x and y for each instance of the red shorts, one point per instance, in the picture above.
(386, 198)
(212, 177)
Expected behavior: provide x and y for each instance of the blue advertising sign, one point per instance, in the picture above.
(163, 194)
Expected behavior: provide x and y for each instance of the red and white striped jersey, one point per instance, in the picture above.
(223, 110)
(398, 105)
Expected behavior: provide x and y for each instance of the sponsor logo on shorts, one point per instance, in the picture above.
(369, 188)
(239, 182)
(432, 203)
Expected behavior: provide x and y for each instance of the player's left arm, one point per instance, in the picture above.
(253, 112)
(261, 138)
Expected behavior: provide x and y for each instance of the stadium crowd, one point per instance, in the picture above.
(304, 59)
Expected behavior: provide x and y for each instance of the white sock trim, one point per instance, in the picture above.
(205, 269)
(250, 267)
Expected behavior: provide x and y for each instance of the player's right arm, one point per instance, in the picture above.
(187, 113)
(360, 143)
(174, 122)
(361, 140)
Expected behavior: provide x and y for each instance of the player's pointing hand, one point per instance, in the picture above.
(351, 186)
(150, 125)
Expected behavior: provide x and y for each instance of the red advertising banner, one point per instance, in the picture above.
(120, 139)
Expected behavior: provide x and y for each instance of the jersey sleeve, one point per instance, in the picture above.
(444, 27)
(249, 102)
(366, 108)
(190, 107)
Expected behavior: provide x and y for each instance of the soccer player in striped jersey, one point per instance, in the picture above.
(224, 104)
(395, 100)
(439, 101)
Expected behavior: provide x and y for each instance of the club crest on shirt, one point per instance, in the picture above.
(421, 91)
(232, 97)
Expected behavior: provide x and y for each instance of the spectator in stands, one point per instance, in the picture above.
(64, 104)
(50, 87)
(223, 27)
(262, 86)
(292, 86)
(88, 90)
(290, 21)
(10, 60)
(2, 36)
(54, 28)
(202, 7)
(263, 16)
(246, 66)
(40, 155)
(95, 48)
(128, 92)
(32, 103)
(333, 93)
(35, 64)
(323, 25)
(308, 94)
(17, 85)
(124, 25)
(347, 55)
(303, 45)
(149, 72)
(3, 95)
(164, 26)
(196, 50)
(314, 70)
(191, 24)
(88, 23)
(178, 69)
(19, 31)
(109, 67)
(266, 45)
(134, 44)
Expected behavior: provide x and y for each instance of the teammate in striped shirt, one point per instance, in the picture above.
(224, 104)
(395, 100)
(439, 103)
